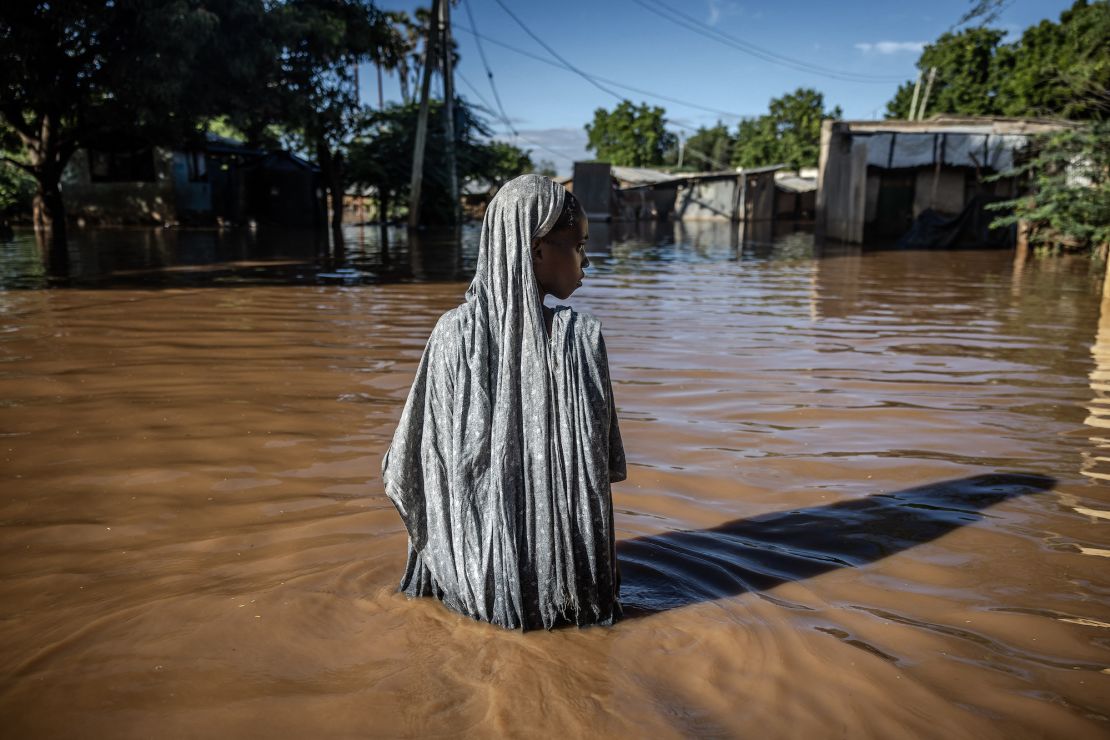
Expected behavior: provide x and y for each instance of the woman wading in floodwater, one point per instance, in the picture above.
(502, 459)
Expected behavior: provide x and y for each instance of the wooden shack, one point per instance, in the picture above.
(876, 177)
(212, 181)
(614, 193)
(741, 195)
(795, 195)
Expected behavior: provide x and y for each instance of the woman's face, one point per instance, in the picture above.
(559, 259)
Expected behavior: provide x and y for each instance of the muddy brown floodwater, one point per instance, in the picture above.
(867, 496)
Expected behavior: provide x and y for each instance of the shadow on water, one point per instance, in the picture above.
(675, 569)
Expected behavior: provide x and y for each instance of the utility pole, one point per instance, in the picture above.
(422, 118)
(928, 89)
(449, 111)
(916, 90)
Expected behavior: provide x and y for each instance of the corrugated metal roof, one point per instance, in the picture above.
(796, 184)
(640, 175)
(962, 125)
(761, 170)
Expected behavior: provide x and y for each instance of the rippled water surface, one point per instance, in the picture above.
(867, 495)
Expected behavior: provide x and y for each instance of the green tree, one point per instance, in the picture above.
(17, 190)
(381, 157)
(757, 143)
(1058, 68)
(507, 161)
(17, 187)
(321, 42)
(546, 168)
(1069, 200)
(75, 71)
(709, 148)
(790, 133)
(1054, 68)
(629, 136)
(966, 77)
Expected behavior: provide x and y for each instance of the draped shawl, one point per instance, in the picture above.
(502, 459)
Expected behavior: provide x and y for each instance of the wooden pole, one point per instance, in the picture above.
(422, 119)
(928, 89)
(381, 97)
(916, 90)
(449, 112)
(936, 172)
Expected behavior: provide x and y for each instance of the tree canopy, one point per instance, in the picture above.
(1069, 201)
(81, 71)
(710, 148)
(630, 136)
(381, 157)
(1054, 69)
(790, 133)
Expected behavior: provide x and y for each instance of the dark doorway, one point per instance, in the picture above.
(894, 210)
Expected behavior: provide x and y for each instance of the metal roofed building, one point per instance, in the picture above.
(876, 177)
(730, 195)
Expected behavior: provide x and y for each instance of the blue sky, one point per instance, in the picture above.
(623, 41)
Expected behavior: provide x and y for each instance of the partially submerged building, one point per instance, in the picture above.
(730, 195)
(876, 177)
(611, 193)
(796, 194)
(215, 181)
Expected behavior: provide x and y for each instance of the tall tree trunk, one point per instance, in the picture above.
(48, 209)
(331, 167)
(417, 181)
(47, 157)
(403, 76)
(383, 205)
(49, 218)
(449, 114)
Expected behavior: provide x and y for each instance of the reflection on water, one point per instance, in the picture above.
(867, 492)
(169, 257)
(367, 254)
(1097, 458)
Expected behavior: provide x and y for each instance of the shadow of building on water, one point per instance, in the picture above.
(675, 569)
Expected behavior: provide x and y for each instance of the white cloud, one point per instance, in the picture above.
(718, 9)
(714, 13)
(890, 47)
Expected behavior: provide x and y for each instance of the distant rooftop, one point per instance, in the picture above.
(962, 125)
(641, 175)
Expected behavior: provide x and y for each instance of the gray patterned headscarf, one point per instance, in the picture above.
(485, 459)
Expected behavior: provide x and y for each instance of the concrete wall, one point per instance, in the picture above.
(709, 200)
(593, 186)
(841, 184)
(758, 197)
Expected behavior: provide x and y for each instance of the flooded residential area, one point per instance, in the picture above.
(866, 494)
(486, 369)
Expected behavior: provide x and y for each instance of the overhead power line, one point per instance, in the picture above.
(567, 65)
(489, 72)
(555, 54)
(681, 19)
(606, 80)
(516, 134)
